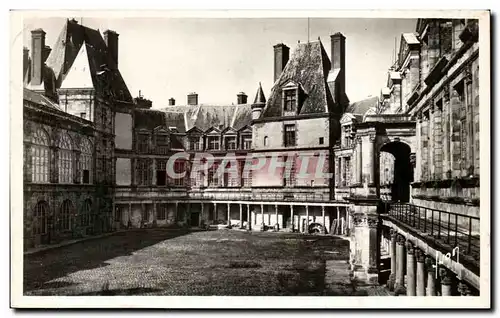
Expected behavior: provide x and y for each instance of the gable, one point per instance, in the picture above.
(79, 74)
(347, 118)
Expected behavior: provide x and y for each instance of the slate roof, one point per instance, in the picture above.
(40, 99)
(65, 50)
(203, 117)
(308, 67)
(362, 106)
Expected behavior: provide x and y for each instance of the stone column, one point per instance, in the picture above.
(76, 166)
(177, 211)
(306, 230)
(228, 214)
(410, 270)
(399, 287)
(445, 276)
(431, 276)
(54, 165)
(366, 241)
(421, 277)
(431, 145)
(153, 179)
(276, 213)
(339, 230)
(203, 212)
(291, 212)
(392, 277)
(463, 289)
(129, 216)
(323, 229)
(359, 161)
(216, 215)
(446, 137)
(249, 218)
(262, 217)
(241, 216)
(154, 213)
(418, 155)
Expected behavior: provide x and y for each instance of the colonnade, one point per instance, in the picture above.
(414, 273)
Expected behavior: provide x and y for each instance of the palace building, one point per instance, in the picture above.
(96, 159)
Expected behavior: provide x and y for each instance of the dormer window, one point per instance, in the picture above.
(143, 143)
(230, 142)
(246, 142)
(213, 142)
(194, 143)
(290, 100)
(347, 140)
(162, 143)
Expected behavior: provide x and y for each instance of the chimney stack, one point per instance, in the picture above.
(281, 55)
(192, 99)
(242, 98)
(171, 101)
(111, 39)
(37, 50)
(338, 65)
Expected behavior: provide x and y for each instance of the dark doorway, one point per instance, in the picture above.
(195, 219)
(403, 170)
(287, 220)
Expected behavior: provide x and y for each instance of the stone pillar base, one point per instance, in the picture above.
(367, 277)
(391, 282)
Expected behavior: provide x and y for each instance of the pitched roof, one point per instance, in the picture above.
(308, 67)
(411, 38)
(64, 52)
(40, 99)
(204, 117)
(259, 97)
(362, 106)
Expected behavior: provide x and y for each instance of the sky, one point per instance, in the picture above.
(220, 57)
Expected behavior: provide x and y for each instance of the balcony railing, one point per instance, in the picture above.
(450, 228)
(264, 196)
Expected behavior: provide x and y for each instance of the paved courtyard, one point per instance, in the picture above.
(178, 262)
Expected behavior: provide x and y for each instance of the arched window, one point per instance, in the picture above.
(86, 213)
(65, 159)
(40, 156)
(40, 215)
(266, 140)
(86, 161)
(66, 217)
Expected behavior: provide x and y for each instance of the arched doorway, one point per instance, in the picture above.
(40, 222)
(401, 169)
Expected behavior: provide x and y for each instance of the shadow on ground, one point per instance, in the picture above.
(45, 266)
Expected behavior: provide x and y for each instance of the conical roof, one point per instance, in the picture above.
(259, 97)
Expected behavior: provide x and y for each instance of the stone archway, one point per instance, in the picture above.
(402, 170)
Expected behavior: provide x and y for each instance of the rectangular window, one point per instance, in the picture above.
(247, 142)
(179, 168)
(289, 135)
(143, 143)
(194, 144)
(290, 100)
(230, 142)
(213, 178)
(83, 115)
(142, 172)
(161, 172)
(86, 177)
(213, 143)
(347, 136)
(162, 144)
(321, 140)
(161, 212)
(347, 168)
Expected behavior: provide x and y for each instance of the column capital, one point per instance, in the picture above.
(420, 255)
(463, 289)
(430, 264)
(401, 239)
(445, 275)
(410, 247)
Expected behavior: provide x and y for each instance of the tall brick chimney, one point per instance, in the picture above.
(37, 58)
(281, 55)
(171, 101)
(242, 98)
(111, 39)
(192, 99)
(338, 57)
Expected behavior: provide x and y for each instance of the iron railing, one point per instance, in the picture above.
(282, 196)
(454, 229)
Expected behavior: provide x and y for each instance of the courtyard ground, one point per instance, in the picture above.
(180, 262)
